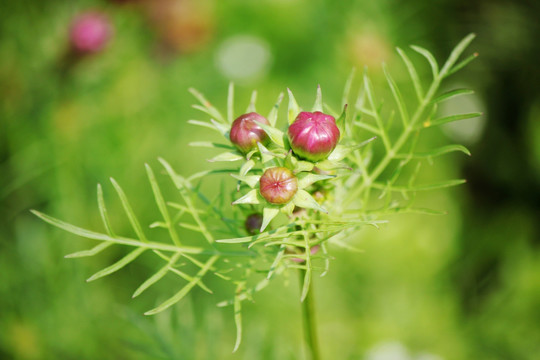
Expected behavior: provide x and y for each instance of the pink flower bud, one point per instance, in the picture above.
(253, 223)
(90, 32)
(278, 185)
(245, 133)
(313, 135)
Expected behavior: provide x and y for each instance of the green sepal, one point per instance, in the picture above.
(340, 121)
(268, 214)
(251, 153)
(252, 101)
(293, 109)
(222, 128)
(303, 166)
(290, 160)
(296, 165)
(266, 155)
(226, 156)
(251, 197)
(274, 134)
(304, 200)
(250, 180)
(288, 209)
(341, 151)
(248, 165)
(210, 144)
(308, 179)
(318, 106)
(329, 165)
(272, 116)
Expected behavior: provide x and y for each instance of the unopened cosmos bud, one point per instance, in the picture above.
(313, 135)
(278, 185)
(253, 223)
(245, 133)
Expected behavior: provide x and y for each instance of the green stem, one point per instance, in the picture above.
(310, 325)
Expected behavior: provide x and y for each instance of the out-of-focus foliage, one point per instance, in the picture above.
(460, 286)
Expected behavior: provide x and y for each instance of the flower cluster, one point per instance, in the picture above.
(285, 169)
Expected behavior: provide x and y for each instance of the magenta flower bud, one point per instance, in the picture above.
(245, 133)
(253, 223)
(313, 135)
(278, 185)
(90, 32)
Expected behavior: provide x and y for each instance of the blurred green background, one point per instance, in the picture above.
(461, 286)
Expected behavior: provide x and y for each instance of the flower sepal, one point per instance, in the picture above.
(296, 165)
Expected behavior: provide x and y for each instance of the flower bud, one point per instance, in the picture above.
(253, 223)
(313, 135)
(278, 185)
(245, 133)
(90, 32)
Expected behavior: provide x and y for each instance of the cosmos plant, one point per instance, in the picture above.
(299, 185)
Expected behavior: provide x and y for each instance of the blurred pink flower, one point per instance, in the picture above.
(90, 32)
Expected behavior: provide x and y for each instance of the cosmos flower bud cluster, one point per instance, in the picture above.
(282, 185)
(312, 136)
(284, 169)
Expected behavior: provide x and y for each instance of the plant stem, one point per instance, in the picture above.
(310, 325)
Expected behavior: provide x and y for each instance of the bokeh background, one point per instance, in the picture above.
(461, 286)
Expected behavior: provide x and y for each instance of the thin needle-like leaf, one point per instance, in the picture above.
(190, 278)
(276, 261)
(238, 315)
(397, 96)
(413, 74)
(430, 58)
(451, 94)
(462, 64)
(157, 276)
(435, 152)
(103, 211)
(161, 205)
(185, 290)
(207, 106)
(456, 53)
(447, 119)
(371, 98)
(95, 250)
(127, 241)
(117, 265)
(412, 188)
(347, 89)
(129, 211)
